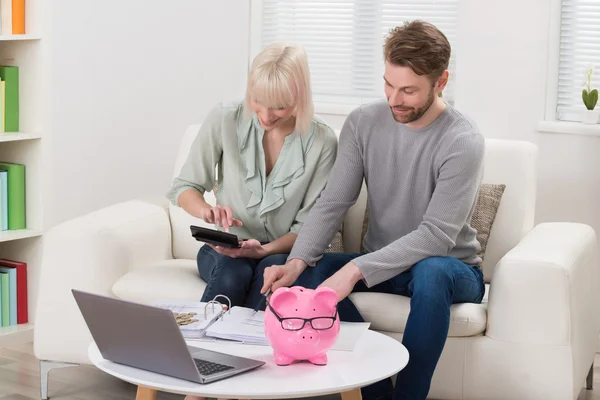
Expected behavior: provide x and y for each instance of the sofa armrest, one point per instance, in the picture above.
(90, 253)
(545, 291)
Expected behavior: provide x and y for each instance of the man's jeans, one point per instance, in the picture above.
(433, 284)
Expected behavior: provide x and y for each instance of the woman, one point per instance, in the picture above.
(273, 157)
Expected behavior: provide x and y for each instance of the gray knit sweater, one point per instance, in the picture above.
(422, 186)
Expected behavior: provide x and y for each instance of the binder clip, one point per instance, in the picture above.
(223, 306)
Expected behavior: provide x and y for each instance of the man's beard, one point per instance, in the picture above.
(415, 113)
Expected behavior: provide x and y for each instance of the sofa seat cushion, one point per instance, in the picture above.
(389, 312)
(176, 280)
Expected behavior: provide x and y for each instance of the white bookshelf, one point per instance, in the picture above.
(7, 38)
(7, 236)
(17, 334)
(26, 147)
(18, 136)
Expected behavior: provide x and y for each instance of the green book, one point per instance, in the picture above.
(1, 205)
(12, 294)
(10, 75)
(16, 194)
(5, 299)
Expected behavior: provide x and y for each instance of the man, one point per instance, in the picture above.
(422, 162)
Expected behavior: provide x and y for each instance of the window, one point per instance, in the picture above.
(344, 40)
(579, 50)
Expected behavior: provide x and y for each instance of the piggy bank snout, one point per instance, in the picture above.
(307, 336)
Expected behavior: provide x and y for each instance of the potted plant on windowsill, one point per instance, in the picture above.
(590, 98)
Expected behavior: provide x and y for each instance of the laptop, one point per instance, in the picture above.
(148, 338)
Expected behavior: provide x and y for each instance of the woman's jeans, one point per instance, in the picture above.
(240, 279)
(433, 285)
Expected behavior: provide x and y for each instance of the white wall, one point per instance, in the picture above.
(126, 84)
(502, 75)
(502, 59)
(125, 79)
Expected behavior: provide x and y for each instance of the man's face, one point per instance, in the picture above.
(409, 95)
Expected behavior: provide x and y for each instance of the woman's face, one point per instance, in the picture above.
(272, 118)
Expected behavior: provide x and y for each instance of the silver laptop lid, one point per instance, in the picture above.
(137, 335)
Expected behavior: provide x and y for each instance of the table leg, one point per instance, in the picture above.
(145, 393)
(352, 395)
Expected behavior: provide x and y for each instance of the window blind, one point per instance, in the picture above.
(579, 50)
(344, 40)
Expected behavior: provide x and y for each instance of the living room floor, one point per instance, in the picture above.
(19, 380)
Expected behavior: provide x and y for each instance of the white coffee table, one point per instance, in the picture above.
(375, 357)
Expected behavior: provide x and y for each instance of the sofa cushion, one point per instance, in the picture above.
(337, 244)
(179, 280)
(389, 312)
(167, 280)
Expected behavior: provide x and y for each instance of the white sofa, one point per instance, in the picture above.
(534, 336)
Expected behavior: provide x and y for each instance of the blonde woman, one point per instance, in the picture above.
(273, 156)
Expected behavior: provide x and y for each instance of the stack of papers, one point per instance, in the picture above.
(239, 325)
(190, 316)
(350, 333)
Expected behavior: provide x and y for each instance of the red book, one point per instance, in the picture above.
(21, 288)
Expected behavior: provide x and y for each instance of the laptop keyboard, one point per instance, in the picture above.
(209, 368)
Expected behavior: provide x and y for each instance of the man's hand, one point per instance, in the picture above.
(343, 281)
(249, 249)
(277, 276)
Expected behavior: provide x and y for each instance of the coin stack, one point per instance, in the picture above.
(185, 318)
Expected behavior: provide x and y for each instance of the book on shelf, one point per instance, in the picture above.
(5, 298)
(12, 294)
(14, 300)
(15, 194)
(9, 74)
(2, 111)
(12, 17)
(2, 108)
(6, 16)
(3, 200)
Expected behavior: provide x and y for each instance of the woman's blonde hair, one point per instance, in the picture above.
(279, 78)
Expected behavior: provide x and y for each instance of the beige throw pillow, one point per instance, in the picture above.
(488, 202)
(337, 244)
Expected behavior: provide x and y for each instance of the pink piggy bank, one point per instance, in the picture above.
(302, 324)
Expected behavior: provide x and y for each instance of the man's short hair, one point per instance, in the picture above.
(420, 46)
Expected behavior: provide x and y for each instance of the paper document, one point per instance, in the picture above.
(239, 325)
(190, 316)
(350, 333)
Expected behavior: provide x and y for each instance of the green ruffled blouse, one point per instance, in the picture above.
(230, 145)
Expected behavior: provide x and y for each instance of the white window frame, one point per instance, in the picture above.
(255, 34)
(255, 46)
(550, 124)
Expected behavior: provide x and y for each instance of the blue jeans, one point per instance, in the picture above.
(433, 285)
(240, 279)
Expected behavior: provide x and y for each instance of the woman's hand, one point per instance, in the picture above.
(220, 216)
(249, 249)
